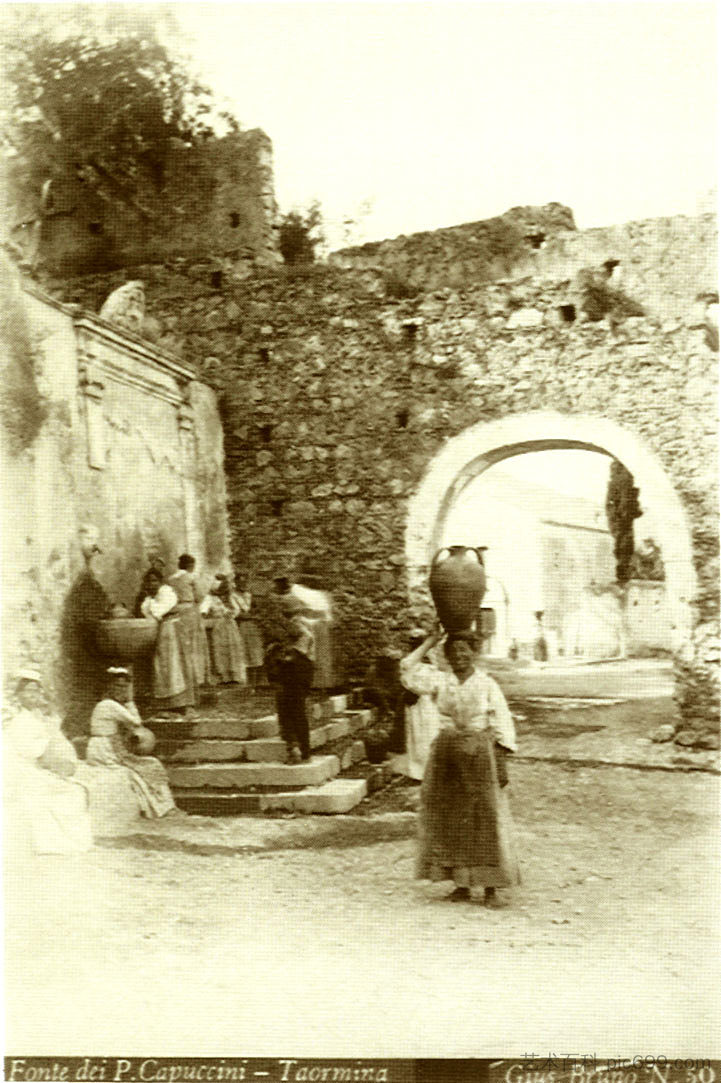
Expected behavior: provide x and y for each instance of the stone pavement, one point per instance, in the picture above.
(618, 678)
(598, 732)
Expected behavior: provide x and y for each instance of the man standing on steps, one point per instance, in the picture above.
(289, 666)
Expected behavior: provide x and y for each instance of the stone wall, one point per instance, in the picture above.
(224, 190)
(472, 252)
(663, 263)
(336, 397)
(130, 442)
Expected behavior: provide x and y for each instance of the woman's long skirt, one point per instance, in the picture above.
(192, 632)
(226, 651)
(252, 642)
(465, 829)
(147, 776)
(43, 813)
(173, 671)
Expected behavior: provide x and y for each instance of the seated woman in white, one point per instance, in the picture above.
(114, 716)
(46, 808)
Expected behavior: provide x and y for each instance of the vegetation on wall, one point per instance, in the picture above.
(647, 562)
(23, 409)
(94, 96)
(600, 299)
(300, 234)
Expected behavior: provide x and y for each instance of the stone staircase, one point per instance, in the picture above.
(225, 762)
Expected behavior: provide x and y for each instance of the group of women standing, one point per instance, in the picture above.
(465, 830)
(185, 658)
(236, 646)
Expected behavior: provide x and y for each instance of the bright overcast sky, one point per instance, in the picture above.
(442, 113)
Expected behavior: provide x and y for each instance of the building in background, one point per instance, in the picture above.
(551, 553)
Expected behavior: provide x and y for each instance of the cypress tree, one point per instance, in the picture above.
(622, 507)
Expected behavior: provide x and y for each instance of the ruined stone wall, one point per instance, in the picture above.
(663, 263)
(129, 442)
(216, 200)
(458, 255)
(335, 398)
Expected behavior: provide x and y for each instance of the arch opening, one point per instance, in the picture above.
(473, 452)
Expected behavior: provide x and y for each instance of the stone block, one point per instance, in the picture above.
(318, 736)
(218, 803)
(525, 318)
(340, 727)
(339, 703)
(221, 728)
(239, 776)
(267, 726)
(336, 797)
(265, 750)
(209, 751)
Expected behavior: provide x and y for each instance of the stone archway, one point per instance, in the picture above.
(483, 445)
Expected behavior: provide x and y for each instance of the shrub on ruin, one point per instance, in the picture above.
(300, 233)
(398, 287)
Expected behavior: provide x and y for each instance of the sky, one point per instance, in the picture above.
(433, 114)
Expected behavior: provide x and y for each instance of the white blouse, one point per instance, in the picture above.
(160, 604)
(476, 702)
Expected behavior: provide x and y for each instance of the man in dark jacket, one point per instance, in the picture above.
(289, 666)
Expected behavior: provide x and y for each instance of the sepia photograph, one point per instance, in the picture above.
(360, 542)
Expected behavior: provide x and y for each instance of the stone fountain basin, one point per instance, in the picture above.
(126, 638)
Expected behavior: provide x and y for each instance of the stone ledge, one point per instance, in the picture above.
(338, 796)
(213, 750)
(265, 750)
(236, 776)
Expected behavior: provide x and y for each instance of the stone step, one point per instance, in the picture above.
(243, 776)
(335, 797)
(244, 729)
(263, 749)
(228, 727)
(338, 796)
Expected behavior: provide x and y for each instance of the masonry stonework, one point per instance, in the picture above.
(336, 397)
(224, 190)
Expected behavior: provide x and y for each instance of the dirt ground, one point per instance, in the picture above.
(610, 944)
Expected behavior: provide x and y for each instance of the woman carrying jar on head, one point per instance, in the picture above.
(465, 830)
